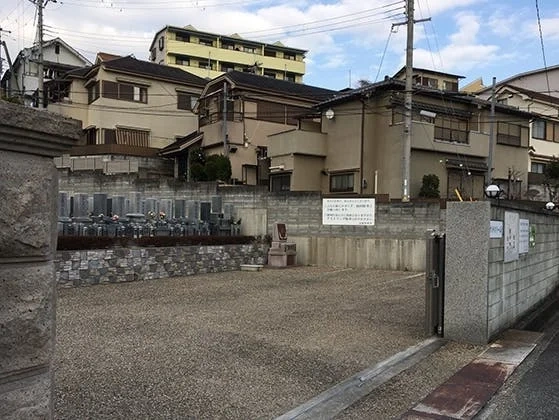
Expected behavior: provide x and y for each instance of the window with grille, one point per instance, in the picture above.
(132, 137)
(449, 128)
(280, 182)
(342, 182)
(508, 133)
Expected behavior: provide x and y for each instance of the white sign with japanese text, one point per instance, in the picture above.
(348, 211)
(511, 236)
(496, 229)
(524, 236)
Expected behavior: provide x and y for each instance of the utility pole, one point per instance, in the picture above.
(6, 32)
(224, 116)
(40, 72)
(406, 141)
(491, 133)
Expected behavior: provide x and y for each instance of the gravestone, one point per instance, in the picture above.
(81, 205)
(118, 206)
(99, 204)
(205, 211)
(281, 252)
(135, 202)
(63, 204)
(150, 205)
(216, 204)
(166, 206)
(193, 210)
(180, 209)
(29, 140)
(228, 211)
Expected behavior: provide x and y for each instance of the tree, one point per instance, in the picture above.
(551, 178)
(430, 186)
(209, 168)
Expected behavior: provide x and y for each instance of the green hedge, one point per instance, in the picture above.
(103, 242)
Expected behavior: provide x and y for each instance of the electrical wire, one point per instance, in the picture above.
(542, 45)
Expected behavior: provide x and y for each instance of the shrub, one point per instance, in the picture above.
(430, 186)
(104, 242)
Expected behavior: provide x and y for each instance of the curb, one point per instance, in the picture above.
(468, 390)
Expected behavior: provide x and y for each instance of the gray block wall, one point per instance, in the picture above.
(29, 139)
(484, 295)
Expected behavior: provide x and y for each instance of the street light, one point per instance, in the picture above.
(550, 206)
(493, 191)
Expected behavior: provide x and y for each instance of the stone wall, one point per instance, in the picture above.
(82, 268)
(29, 139)
(484, 294)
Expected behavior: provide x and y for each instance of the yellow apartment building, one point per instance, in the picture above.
(209, 55)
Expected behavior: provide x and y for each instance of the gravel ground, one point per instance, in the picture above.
(235, 345)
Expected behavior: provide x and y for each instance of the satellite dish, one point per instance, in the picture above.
(329, 114)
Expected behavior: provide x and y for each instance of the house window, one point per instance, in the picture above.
(450, 86)
(508, 133)
(124, 92)
(161, 43)
(182, 37)
(204, 64)
(227, 46)
(93, 92)
(290, 77)
(182, 60)
(271, 74)
(269, 53)
(227, 67)
(90, 136)
(186, 101)
(289, 56)
(249, 49)
(537, 168)
(342, 182)
(448, 128)
(109, 136)
(131, 137)
(538, 129)
(205, 41)
(280, 182)
(427, 81)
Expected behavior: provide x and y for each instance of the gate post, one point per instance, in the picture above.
(29, 139)
(434, 284)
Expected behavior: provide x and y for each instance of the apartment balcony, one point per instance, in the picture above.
(297, 142)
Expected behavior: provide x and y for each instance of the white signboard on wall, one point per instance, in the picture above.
(496, 229)
(511, 236)
(523, 236)
(348, 211)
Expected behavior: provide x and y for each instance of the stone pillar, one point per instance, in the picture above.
(467, 262)
(29, 139)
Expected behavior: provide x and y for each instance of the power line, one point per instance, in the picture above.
(543, 49)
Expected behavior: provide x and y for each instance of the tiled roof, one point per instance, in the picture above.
(534, 95)
(156, 71)
(251, 80)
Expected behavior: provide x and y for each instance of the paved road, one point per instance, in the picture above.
(233, 345)
(533, 392)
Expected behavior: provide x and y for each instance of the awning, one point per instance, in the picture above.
(181, 144)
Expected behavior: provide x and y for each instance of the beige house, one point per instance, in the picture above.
(237, 113)
(544, 130)
(358, 146)
(128, 107)
(209, 55)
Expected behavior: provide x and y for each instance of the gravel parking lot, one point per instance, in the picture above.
(235, 345)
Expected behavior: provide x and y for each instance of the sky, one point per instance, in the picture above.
(347, 40)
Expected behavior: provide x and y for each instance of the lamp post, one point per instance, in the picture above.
(493, 191)
(550, 206)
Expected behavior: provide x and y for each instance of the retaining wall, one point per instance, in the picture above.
(82, 268)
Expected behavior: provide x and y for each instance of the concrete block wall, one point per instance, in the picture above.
(85, 268)
(515, 287)
(29, 139)
(484, 295)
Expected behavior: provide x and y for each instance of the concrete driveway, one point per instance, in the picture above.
(235, 345)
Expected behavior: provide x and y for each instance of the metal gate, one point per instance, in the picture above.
(434, 284)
